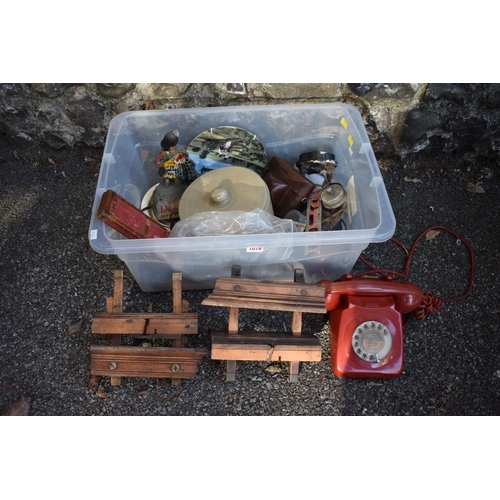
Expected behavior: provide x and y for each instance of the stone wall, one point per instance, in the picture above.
(400, 119)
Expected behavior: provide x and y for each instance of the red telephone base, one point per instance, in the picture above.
(378, 323)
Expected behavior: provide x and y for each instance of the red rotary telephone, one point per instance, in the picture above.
(366, 328)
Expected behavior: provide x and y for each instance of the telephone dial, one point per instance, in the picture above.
(366, 327)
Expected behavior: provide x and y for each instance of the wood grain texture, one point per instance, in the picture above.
(145, 323)
(157, 362)
(268, 295)
(251, 346)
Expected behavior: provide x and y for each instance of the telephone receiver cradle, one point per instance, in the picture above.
(366, 327)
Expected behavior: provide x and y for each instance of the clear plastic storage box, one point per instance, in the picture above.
(285, 131)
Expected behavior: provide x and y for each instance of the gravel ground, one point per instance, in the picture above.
(53, 283)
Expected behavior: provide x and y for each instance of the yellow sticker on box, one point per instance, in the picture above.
(350, 140)
(344, 122)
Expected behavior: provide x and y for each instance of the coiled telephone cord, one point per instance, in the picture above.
(430, 303)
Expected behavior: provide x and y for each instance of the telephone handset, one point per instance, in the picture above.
(366, 328)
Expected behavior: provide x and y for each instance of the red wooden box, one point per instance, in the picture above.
(127, 219)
